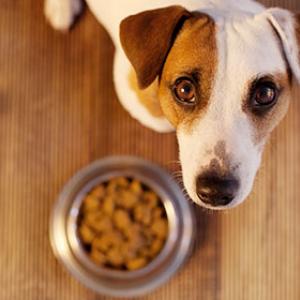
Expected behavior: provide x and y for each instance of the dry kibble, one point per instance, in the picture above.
(128, 251)
(112, 187)
(128, 199)
(122, 182)
(98, 191)
(145, 252)
(90, 217)
(156, 247)
(102, 224)
(160, 228)
(142, 213)
(136, 263)
(86, 233)
(115, 257)
(136, 187)
(102, 243)
(116, 185)
(91, 203)
(132, 230)
(138, 212)
(123, 224)
(147, 217)
(149, 236)
(151, 199)
(121, 219)
(109, 205)
(137, 241)
(157, 213)
(115, 237)
(98, 257)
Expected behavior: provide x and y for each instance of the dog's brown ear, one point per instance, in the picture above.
(287, 26)
(147, 38)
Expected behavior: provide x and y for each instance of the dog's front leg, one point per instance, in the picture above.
(62, 13)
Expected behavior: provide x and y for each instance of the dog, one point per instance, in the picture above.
(220, 73)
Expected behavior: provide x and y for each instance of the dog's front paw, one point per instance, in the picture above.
(62, 13)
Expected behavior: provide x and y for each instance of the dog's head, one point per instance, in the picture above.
(224, 83)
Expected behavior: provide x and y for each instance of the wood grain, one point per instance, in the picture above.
(59, 111)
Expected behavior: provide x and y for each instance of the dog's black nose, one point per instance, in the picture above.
(216, 190)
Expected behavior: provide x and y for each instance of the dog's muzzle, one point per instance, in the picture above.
(215, 189)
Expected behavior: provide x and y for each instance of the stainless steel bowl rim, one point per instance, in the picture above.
(174, 199)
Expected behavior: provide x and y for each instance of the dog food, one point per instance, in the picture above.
(122, 224)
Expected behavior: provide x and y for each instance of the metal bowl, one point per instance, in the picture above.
(68, 249)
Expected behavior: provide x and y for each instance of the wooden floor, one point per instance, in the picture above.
(58, 112)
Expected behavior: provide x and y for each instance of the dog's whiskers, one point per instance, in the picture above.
(175, 162)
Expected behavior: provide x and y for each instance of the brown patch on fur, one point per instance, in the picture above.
(215, 165)
(221, 166)
(194, 53)
(147, 38)
(265, 122)
(148, 97)
(220, 150)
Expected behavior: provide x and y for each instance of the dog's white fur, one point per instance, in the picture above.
(243, 30)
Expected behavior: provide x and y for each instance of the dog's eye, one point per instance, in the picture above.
(185, 91)
(265, 94)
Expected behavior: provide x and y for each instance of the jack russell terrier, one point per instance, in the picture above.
(218, 72)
